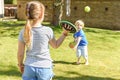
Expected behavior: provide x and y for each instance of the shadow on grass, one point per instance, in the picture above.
(10, 71)
(105, 31)
(62, 62)
(65, 62)
(78, 75)
(13, 71)
(91, 30)
(12, 28)
(12, 23)
(81, 77)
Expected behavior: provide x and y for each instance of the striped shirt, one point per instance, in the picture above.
(39, 54)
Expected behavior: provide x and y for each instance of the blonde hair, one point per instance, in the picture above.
(80, 22)
(34, 10)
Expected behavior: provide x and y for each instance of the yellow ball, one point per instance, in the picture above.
(87, 9)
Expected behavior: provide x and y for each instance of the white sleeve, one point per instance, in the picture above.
(20, 37)
(51, 34)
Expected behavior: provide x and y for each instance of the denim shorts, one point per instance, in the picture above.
(82, 51)
(36, 73)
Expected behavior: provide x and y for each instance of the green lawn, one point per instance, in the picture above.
(104, 55)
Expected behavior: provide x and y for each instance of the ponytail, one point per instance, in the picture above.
(34, 10)
(27, 34)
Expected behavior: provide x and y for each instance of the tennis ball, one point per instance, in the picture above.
(87, 9)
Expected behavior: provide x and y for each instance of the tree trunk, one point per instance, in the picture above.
(58, 11)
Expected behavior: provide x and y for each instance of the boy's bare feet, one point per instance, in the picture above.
(77, 63)
(87, 63)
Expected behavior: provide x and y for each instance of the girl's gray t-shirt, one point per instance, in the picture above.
(38, 55)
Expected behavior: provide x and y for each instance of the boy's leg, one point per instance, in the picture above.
(85, 54)
(78, 55)
(78, 60)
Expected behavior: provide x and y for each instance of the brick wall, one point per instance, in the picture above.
(103, 14)
(21, 4)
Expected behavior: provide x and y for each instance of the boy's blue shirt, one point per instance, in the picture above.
(83, 41)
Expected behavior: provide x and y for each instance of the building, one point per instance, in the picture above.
(10, 10)
(103, 14)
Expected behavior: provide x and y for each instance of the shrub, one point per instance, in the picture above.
(10, 1)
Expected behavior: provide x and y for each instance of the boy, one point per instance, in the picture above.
(81, 42)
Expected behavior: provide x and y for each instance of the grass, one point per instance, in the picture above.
(104, 55)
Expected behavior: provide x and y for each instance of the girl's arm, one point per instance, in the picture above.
(56, 43)
(20, 55)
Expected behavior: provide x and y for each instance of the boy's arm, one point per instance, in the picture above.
(77, 42)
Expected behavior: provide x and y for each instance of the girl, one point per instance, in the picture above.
(36, 38)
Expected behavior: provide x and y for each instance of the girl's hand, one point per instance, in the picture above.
(21, 68)
(65, 32)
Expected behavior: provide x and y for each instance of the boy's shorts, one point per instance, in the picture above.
(82, 51)
(36, 73)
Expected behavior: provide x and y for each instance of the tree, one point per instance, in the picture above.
(58, 11)
(10, 1)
